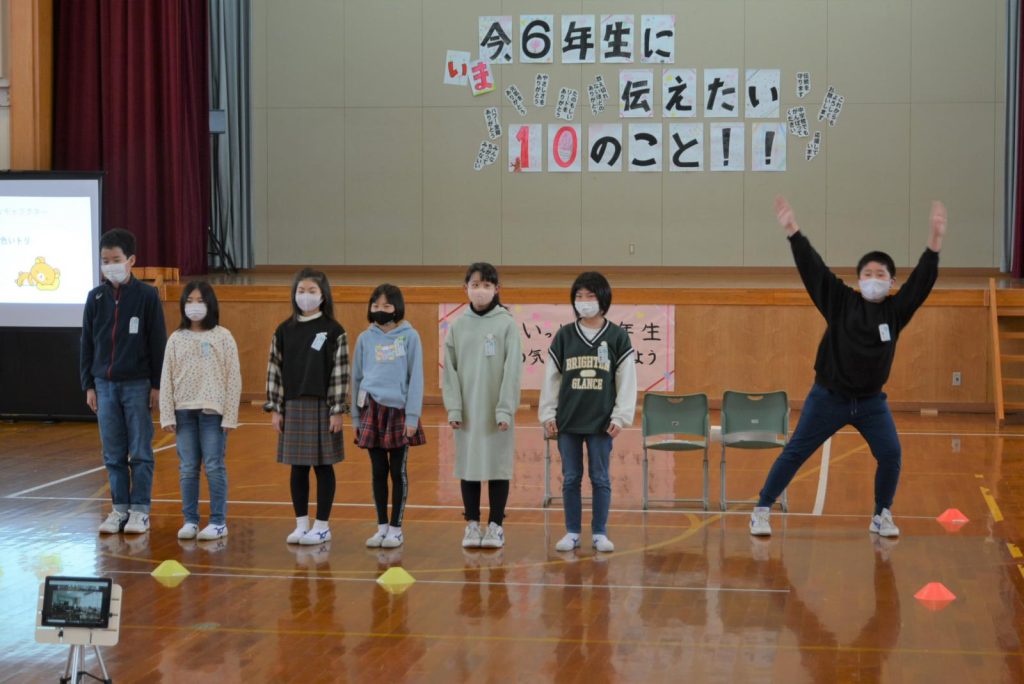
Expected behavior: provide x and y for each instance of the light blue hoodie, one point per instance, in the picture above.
(388, 366)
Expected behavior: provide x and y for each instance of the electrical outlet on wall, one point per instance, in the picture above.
(957, 379)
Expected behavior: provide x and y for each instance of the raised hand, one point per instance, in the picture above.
(784, 214)
(938, 226)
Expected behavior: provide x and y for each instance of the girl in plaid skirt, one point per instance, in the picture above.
(387, 391)
(307, 392)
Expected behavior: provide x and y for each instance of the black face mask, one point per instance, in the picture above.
(383, 317)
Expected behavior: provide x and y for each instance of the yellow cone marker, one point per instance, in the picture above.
(170, 573)
(395, 580)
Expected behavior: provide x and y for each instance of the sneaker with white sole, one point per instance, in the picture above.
(602, 543)
(377, 539)
(494, 537)
(212, 531)
(315, 536)
(113, 523)
(188, 531)
(569, 542)
(138, 523)
(393, 539)
(473, 536)
(759, 525)
(883, 525)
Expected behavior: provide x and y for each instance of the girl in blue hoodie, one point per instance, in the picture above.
(387, 401)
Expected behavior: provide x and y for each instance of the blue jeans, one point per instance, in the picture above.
(201, 441)
(126, 428)
(824, 414)
(599, 448)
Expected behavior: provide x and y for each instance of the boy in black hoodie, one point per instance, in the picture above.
(853, 363)
(123, 338)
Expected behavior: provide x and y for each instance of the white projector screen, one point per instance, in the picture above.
(49, 247)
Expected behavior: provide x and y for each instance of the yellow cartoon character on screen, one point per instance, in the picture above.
(42, 276)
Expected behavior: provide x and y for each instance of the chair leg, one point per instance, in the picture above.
(547, 474)
(722, 471)
(645, 479)
(785, 501)
(706, 487)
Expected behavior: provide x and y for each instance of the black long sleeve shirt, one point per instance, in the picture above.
(856, 352)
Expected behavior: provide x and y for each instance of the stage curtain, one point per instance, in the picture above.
(131, 99)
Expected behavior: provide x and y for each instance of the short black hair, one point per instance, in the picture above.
(320, 278)
(880, 257)
(394, 297)
(596, 283)
(119, 237)
(488, 274)
(209, 299)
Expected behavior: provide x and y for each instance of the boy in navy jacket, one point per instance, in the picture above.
(123, 338)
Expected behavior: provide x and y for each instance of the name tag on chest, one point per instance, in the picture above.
(205, 350)
(883, 332)
(133, 325)
(490, 346)
(318, 341)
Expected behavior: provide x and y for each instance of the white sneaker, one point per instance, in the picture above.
(314, 537)
(883, 526)
(759, 525)
(393, 539)
(212, 531)
(569, 542)
(473, 536)
(114, 523)
(138, 522)
(375, 541)
(494, 537)
(188, 531)
(296, 535)
(603, 543)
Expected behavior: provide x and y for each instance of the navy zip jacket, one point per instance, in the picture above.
(859, 344)
(123, 334)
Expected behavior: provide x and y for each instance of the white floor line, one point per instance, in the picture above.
(542, 585)
(525, 509)
(1018, 435)
(819, 498)
(16, 495)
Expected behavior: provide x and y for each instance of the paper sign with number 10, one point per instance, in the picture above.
(525, 147)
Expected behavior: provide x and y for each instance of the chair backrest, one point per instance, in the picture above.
(675, 414)
(755, 412)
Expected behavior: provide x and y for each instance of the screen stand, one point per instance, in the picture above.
(80, 638)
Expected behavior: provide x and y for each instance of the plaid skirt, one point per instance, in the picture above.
(307, 439)
(383, 427)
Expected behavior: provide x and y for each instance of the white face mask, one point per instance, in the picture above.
(587, 309)
(195, 311)
(874, 289)
(308, 301)
(115, 273)
(481, 298)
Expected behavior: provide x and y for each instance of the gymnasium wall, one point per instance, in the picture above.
(363, 156)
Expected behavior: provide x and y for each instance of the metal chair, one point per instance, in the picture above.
(754, 420)
(676, 423)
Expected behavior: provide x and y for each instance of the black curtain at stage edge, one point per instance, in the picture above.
(39, 378)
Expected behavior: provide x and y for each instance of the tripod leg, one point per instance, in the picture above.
(67, 667)
(103, 665)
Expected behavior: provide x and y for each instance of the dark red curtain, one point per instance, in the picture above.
(131, 99)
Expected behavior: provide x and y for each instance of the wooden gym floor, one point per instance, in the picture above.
(687, 595)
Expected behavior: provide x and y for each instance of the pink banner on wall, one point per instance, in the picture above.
(651, 328)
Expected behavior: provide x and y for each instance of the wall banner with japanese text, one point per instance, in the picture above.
(651, 329)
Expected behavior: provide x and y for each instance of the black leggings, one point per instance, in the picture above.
(325, 486)
(385, 461)
(497, 494)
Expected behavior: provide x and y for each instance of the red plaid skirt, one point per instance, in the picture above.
(383, 427)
